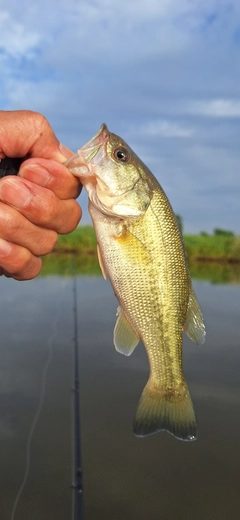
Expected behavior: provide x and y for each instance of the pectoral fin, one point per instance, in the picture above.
(101, 263)
(124, 337)
(194, 324)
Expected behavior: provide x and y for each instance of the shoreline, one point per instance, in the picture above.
(201, 259)
(203, 248)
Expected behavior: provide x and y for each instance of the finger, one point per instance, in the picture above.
(40, 205)
(18, 262)
(16, 228)
(23, 132)
(52, 175)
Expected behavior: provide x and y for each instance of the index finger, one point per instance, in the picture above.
(52, 175)
(26, 133)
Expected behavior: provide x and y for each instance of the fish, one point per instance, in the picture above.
(141, 250)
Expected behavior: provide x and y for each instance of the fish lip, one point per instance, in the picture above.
(95, 149)
(90, 154)
(99, 139)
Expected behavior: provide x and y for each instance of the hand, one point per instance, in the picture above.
(39, 203)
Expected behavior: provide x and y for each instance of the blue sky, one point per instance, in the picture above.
(163, 74)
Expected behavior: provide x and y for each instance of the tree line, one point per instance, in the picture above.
(216, 231)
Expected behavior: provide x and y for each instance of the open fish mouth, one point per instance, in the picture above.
(99, 139)
(92, 152)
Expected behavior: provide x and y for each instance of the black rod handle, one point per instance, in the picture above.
(10, 166)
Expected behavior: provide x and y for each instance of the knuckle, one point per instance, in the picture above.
(40, 121)
(49, 208)
(22, 260)
(52, 241)
(48, 243)
(34, 120)
(27, 266)
(71, 217)
(12, 224)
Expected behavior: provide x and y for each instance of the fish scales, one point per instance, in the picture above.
(141, 250)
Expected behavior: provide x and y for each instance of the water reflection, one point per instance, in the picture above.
(216, 272)
(62, 264)
(30, 311)
(124, 477)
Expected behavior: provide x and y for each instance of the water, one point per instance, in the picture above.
(124, 477)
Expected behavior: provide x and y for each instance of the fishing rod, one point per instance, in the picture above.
(78, 483)
(10, 166)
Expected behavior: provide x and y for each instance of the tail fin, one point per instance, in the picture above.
(166, 409)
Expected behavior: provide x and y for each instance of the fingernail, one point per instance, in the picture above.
(14, 193)
(65, 151)
(37, 174)
(5, 247)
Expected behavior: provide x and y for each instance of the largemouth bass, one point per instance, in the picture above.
(140, 249)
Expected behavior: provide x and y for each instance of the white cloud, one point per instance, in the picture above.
(215, 108)
(139, 27)
(16, 42)
(144, 10)
(165, 128)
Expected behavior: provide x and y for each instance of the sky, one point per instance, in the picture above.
(162, 74)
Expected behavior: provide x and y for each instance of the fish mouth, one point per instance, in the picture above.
(91, 147)
(92, 152)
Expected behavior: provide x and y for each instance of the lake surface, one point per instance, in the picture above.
(125, 477)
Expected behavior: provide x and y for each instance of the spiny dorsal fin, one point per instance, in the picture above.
(124, 337)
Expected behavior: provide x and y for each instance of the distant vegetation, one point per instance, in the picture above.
(76, 251)
(82, 240)
(221, 246)
(213, 257)
(218, 231)
(217, 247)
(180, 222)
(223, 232)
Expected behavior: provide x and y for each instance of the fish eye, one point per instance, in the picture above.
(121, 154)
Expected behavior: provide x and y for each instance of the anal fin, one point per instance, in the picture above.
(124, 337)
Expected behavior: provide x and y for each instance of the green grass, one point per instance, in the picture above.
(213, 247)
(67, 264)
(199, 247)
(75, 252)
(211, 257)
(82, 240)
